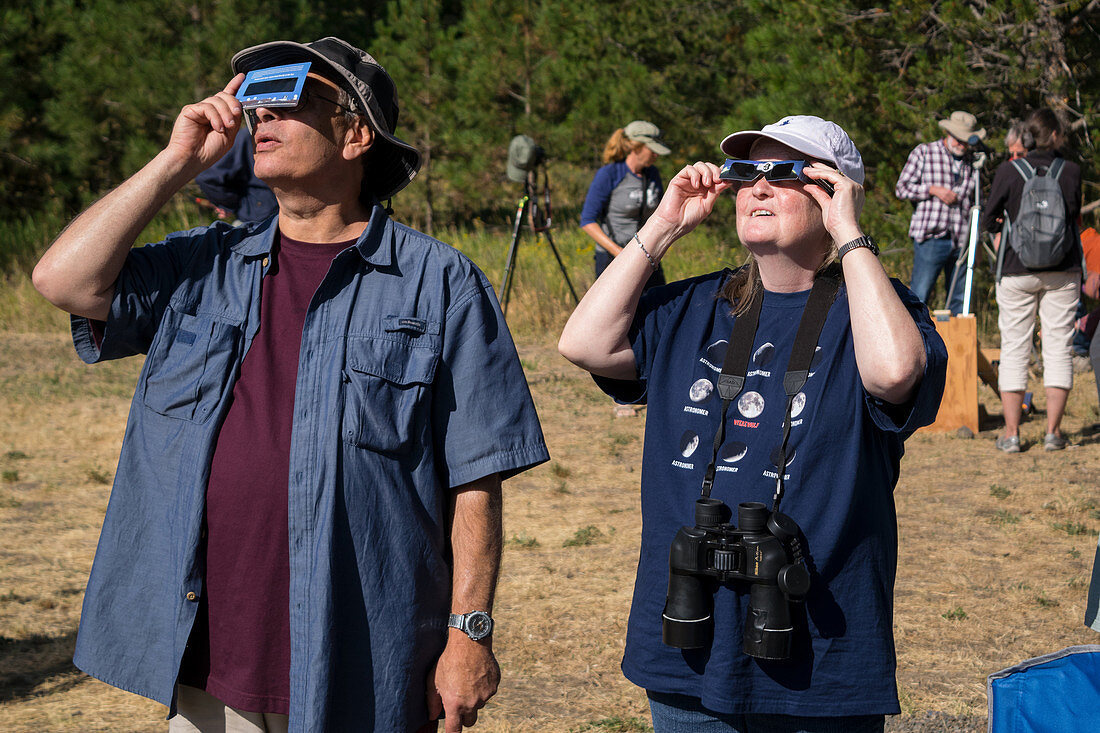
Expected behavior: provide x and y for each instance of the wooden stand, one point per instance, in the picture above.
(965, 364)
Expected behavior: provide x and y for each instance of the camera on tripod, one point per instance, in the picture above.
(524, 157)
(763, 551)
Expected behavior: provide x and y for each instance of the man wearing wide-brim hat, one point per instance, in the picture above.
(304, 531)
(939, 178)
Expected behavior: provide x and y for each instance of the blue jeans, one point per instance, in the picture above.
(674, 713)
(930, 258)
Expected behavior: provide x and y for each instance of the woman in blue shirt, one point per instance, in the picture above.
(876, 374)
(624, 192)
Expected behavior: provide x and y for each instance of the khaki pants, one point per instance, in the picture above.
(199, 712)
(1054, 295)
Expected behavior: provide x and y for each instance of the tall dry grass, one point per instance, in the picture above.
(539, 300)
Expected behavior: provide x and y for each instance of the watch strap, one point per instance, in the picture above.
(864, 241)
(461, 621)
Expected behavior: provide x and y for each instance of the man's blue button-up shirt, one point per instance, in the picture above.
(408, 385)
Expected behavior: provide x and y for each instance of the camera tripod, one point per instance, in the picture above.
(540, 224)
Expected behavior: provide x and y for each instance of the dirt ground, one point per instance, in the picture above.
(994, 559)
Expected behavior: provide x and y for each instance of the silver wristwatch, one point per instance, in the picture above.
(475, 624)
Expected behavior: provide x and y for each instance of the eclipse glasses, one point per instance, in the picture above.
(747, 171)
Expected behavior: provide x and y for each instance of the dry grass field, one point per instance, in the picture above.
(994, 566)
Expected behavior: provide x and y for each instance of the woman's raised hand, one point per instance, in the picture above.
(689, 199)
(839, 212)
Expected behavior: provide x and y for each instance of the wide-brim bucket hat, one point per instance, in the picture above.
(963, 126)
(394, 163)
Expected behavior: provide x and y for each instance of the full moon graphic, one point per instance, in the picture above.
(763, 355)
(751, 404)
(798, 404)
(688, 443)
(733, 451)
(700, 390)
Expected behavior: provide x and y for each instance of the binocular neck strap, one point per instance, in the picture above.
(814, 314)
(735, 366)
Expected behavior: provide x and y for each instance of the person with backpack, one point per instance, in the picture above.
(1036, 201)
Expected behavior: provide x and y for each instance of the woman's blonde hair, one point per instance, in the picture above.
(618, 146)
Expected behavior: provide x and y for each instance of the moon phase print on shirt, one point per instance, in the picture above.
(775, 457)
(798, 404)
(733, 451)
(763, 356)
(715, 355)
(689, 441)
(700, 390)
(750, 404)
(816, 361)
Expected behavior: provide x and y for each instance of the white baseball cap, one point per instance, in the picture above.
(807, 134)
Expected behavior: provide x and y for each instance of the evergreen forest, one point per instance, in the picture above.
(91, 87)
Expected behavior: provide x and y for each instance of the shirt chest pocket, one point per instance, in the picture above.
(189, 365)
(386, 392)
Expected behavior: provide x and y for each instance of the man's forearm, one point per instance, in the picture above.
(77, 273)
(466, 674)
(476, 544)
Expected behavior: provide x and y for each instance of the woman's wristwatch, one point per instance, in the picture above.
(863, 241)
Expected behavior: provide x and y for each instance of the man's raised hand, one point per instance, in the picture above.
(204, 131)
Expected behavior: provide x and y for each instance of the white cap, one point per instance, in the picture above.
(807, 134)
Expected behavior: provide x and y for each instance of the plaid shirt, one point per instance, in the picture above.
(930, 164)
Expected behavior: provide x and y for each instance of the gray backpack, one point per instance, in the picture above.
(1038, 235)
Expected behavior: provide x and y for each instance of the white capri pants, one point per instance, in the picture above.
(1055, 296)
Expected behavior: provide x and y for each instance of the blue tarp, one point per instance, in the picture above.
(1055, 693)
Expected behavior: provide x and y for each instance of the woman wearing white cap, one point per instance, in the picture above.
(624, 192)
(831, 407)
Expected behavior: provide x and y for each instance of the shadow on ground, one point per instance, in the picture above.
(27, 663)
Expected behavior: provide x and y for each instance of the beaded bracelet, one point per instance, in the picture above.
(652, 262)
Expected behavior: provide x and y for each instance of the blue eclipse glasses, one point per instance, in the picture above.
(746, 171)
(278, 87)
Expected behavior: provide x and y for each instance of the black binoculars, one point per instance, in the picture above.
(764, 551)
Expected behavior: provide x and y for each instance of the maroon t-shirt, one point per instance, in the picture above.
(239, 650)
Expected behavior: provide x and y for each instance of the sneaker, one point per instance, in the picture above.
(1009, 445)
(1053, 442)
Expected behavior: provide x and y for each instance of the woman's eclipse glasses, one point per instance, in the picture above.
(746, 171)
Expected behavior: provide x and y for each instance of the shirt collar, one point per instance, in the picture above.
(373, 245)
(260, 241)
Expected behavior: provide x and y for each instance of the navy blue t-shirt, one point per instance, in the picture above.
(842, 465)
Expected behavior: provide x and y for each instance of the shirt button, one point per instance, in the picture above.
(191, 595)
(264, 263)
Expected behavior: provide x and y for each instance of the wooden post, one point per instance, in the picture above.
(959, 407)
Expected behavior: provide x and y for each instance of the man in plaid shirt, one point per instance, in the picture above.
(939, 177)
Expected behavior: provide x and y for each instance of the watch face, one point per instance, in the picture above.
(479, 625)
